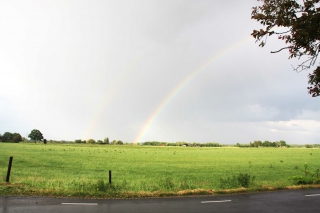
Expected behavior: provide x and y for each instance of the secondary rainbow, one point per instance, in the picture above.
(184, 82)
(111, 93)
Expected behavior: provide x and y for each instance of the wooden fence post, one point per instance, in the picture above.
(9, 169)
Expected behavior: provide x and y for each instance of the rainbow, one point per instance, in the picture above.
(184, 82)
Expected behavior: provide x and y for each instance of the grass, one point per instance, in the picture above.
(82, 170)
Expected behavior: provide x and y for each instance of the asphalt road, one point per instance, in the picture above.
(277, 201)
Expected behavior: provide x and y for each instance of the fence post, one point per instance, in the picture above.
(110, 176)
(9, 169)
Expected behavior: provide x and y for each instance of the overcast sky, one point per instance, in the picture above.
(148, 70)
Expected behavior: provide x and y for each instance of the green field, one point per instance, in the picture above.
(82, 170)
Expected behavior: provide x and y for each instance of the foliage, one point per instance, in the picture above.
(242, 180)
(16, 138)
(280, 143)
(90, 141)
(154, 143)
(211, 145)
(181, 143)
(35, 135)
(243, 145)
(308, 145)
(9, 137)
(106, 140)
(117, 142)
(283, 143)
(309, 177)
(297, 23)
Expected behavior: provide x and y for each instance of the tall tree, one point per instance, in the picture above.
(35, 135)
(106, 140)
(298, 24)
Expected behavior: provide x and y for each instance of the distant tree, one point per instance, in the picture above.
(308, 145)
(212, 144)
(106, 140)
(297, 23)
(90, 141)
(16, 137)
(7, 137)
(45, 141)
(35, 135)
(0, 137)
(283, 143)
(100, 141)
(257, 143)
(119, 142)
(243, 145)
(266, 144)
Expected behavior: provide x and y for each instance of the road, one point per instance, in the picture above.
(277, 201)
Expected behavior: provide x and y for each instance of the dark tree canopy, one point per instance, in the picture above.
(16, 137)
(35, 135)
(7, 137)
(297, 23)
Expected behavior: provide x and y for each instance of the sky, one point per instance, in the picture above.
(148, 70)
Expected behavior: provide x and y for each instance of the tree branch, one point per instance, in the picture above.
(282, 32)
(280, 50)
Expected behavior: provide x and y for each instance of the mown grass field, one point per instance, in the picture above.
(82, 170)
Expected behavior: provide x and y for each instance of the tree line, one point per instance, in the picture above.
(194, 144)
(34, 135)
(280, 143)
(11, 137)
(105, 141)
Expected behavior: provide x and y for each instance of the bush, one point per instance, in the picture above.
(242, 180)
(310, 177)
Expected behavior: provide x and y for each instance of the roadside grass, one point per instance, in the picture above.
(79, 170)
